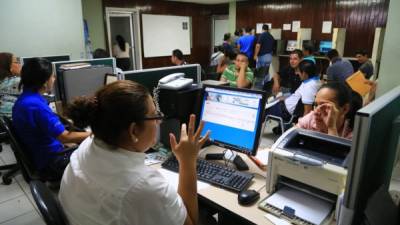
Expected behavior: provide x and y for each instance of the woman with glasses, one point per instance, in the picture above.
(334, 111)
(40, 130)
(107, 181)
(10, 70)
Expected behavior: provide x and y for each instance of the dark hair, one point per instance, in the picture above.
(248, 29)
(265, 27)
(35, 73)
(298, 52)
(100, 53)
(227, 36)
(121, 42)
(333, 53)
(344, 95)
(112, 110)
(361, 52)
(237, 33)
(308, 67)
(5, 64)
(309, 48)
(178, 54)
(243, 54)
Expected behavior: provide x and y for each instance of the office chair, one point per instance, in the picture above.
(47, 203)
(285, 125)
(12, 169)
(24, 162)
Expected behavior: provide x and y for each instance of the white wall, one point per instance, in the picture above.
(93, 14)
(389, 75)
(232, 17)
(42, 27)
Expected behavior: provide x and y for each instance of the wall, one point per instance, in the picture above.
(201, 25)
(359, 18)
(232, 17)
(93, 14)
(42, 27)
(389, 76)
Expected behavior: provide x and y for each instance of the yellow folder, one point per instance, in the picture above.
(357, 82)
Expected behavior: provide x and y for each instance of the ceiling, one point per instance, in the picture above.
(208, 2)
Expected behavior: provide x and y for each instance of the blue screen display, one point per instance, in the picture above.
(325, 46)
(232, 116)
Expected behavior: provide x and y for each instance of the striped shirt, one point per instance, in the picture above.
(8, 95)
(231, 75)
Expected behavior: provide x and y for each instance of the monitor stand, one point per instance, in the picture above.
(229, 156)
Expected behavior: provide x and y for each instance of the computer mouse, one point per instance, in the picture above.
(248, 197)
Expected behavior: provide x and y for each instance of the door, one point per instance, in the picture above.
(219, 28)
(125, 22)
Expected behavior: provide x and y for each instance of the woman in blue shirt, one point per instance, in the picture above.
(39, 129)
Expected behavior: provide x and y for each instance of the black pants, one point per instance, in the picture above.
(124, 63)
(55, 170)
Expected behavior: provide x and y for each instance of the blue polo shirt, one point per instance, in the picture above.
(37, 127)
(246, 43)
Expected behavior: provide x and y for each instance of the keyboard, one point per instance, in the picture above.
(215, 174)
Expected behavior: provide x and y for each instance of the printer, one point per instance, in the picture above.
(306, 176)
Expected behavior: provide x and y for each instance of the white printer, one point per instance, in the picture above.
(306, 174)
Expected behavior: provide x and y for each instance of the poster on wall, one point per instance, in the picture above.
(326, 27)
(296, 26)
(287, 26)
(259, 27)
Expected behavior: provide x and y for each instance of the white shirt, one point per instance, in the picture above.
(102, 185)
(118, 53)
(306, 92)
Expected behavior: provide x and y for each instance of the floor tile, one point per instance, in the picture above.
(30, 218)
(14, 208)
(11, 191)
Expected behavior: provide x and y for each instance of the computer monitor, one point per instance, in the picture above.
(291, 45)
(234, 117)
(325, 47)
(375, 142)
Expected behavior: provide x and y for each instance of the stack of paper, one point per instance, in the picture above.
(306, 206)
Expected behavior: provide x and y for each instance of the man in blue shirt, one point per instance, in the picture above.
(263, 55)
(340, 69)
(246, 45)
(39, 129)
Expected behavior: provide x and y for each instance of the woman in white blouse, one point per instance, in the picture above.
(107, 182)
(121, 52)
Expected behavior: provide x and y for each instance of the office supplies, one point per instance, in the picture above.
(357, 82)
(257, 162)
(175, 81)
(216, 174)
(306, 174)
(248, 197)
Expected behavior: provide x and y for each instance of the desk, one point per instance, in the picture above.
(224, 200)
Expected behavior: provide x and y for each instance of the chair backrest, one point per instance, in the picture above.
(26, 165)
(48, 204)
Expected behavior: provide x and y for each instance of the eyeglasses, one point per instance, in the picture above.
(159, 116)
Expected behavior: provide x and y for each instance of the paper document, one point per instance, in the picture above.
(275, 220)
(307, 207)
(173, 179)
(357, 83)
(262, 156)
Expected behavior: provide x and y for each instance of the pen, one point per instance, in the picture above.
(257, 162)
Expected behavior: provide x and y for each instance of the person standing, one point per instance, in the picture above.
(263, 54)
(121, 53)
(246, 45)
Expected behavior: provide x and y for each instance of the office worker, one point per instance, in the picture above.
(177, 58)
(308, 53)
(310, 84)
(334, 111)
(10, 69)
(39, 129)
(239, 74)
(288, 79)
(245, 45)
(340, 68)
(107, 181)
(121, 52)
(264, 48)
(367, 68)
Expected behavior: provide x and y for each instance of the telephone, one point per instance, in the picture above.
(175, 81)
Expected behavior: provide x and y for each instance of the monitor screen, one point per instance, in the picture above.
(291, 45)
(234, 117)
(325, 46)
